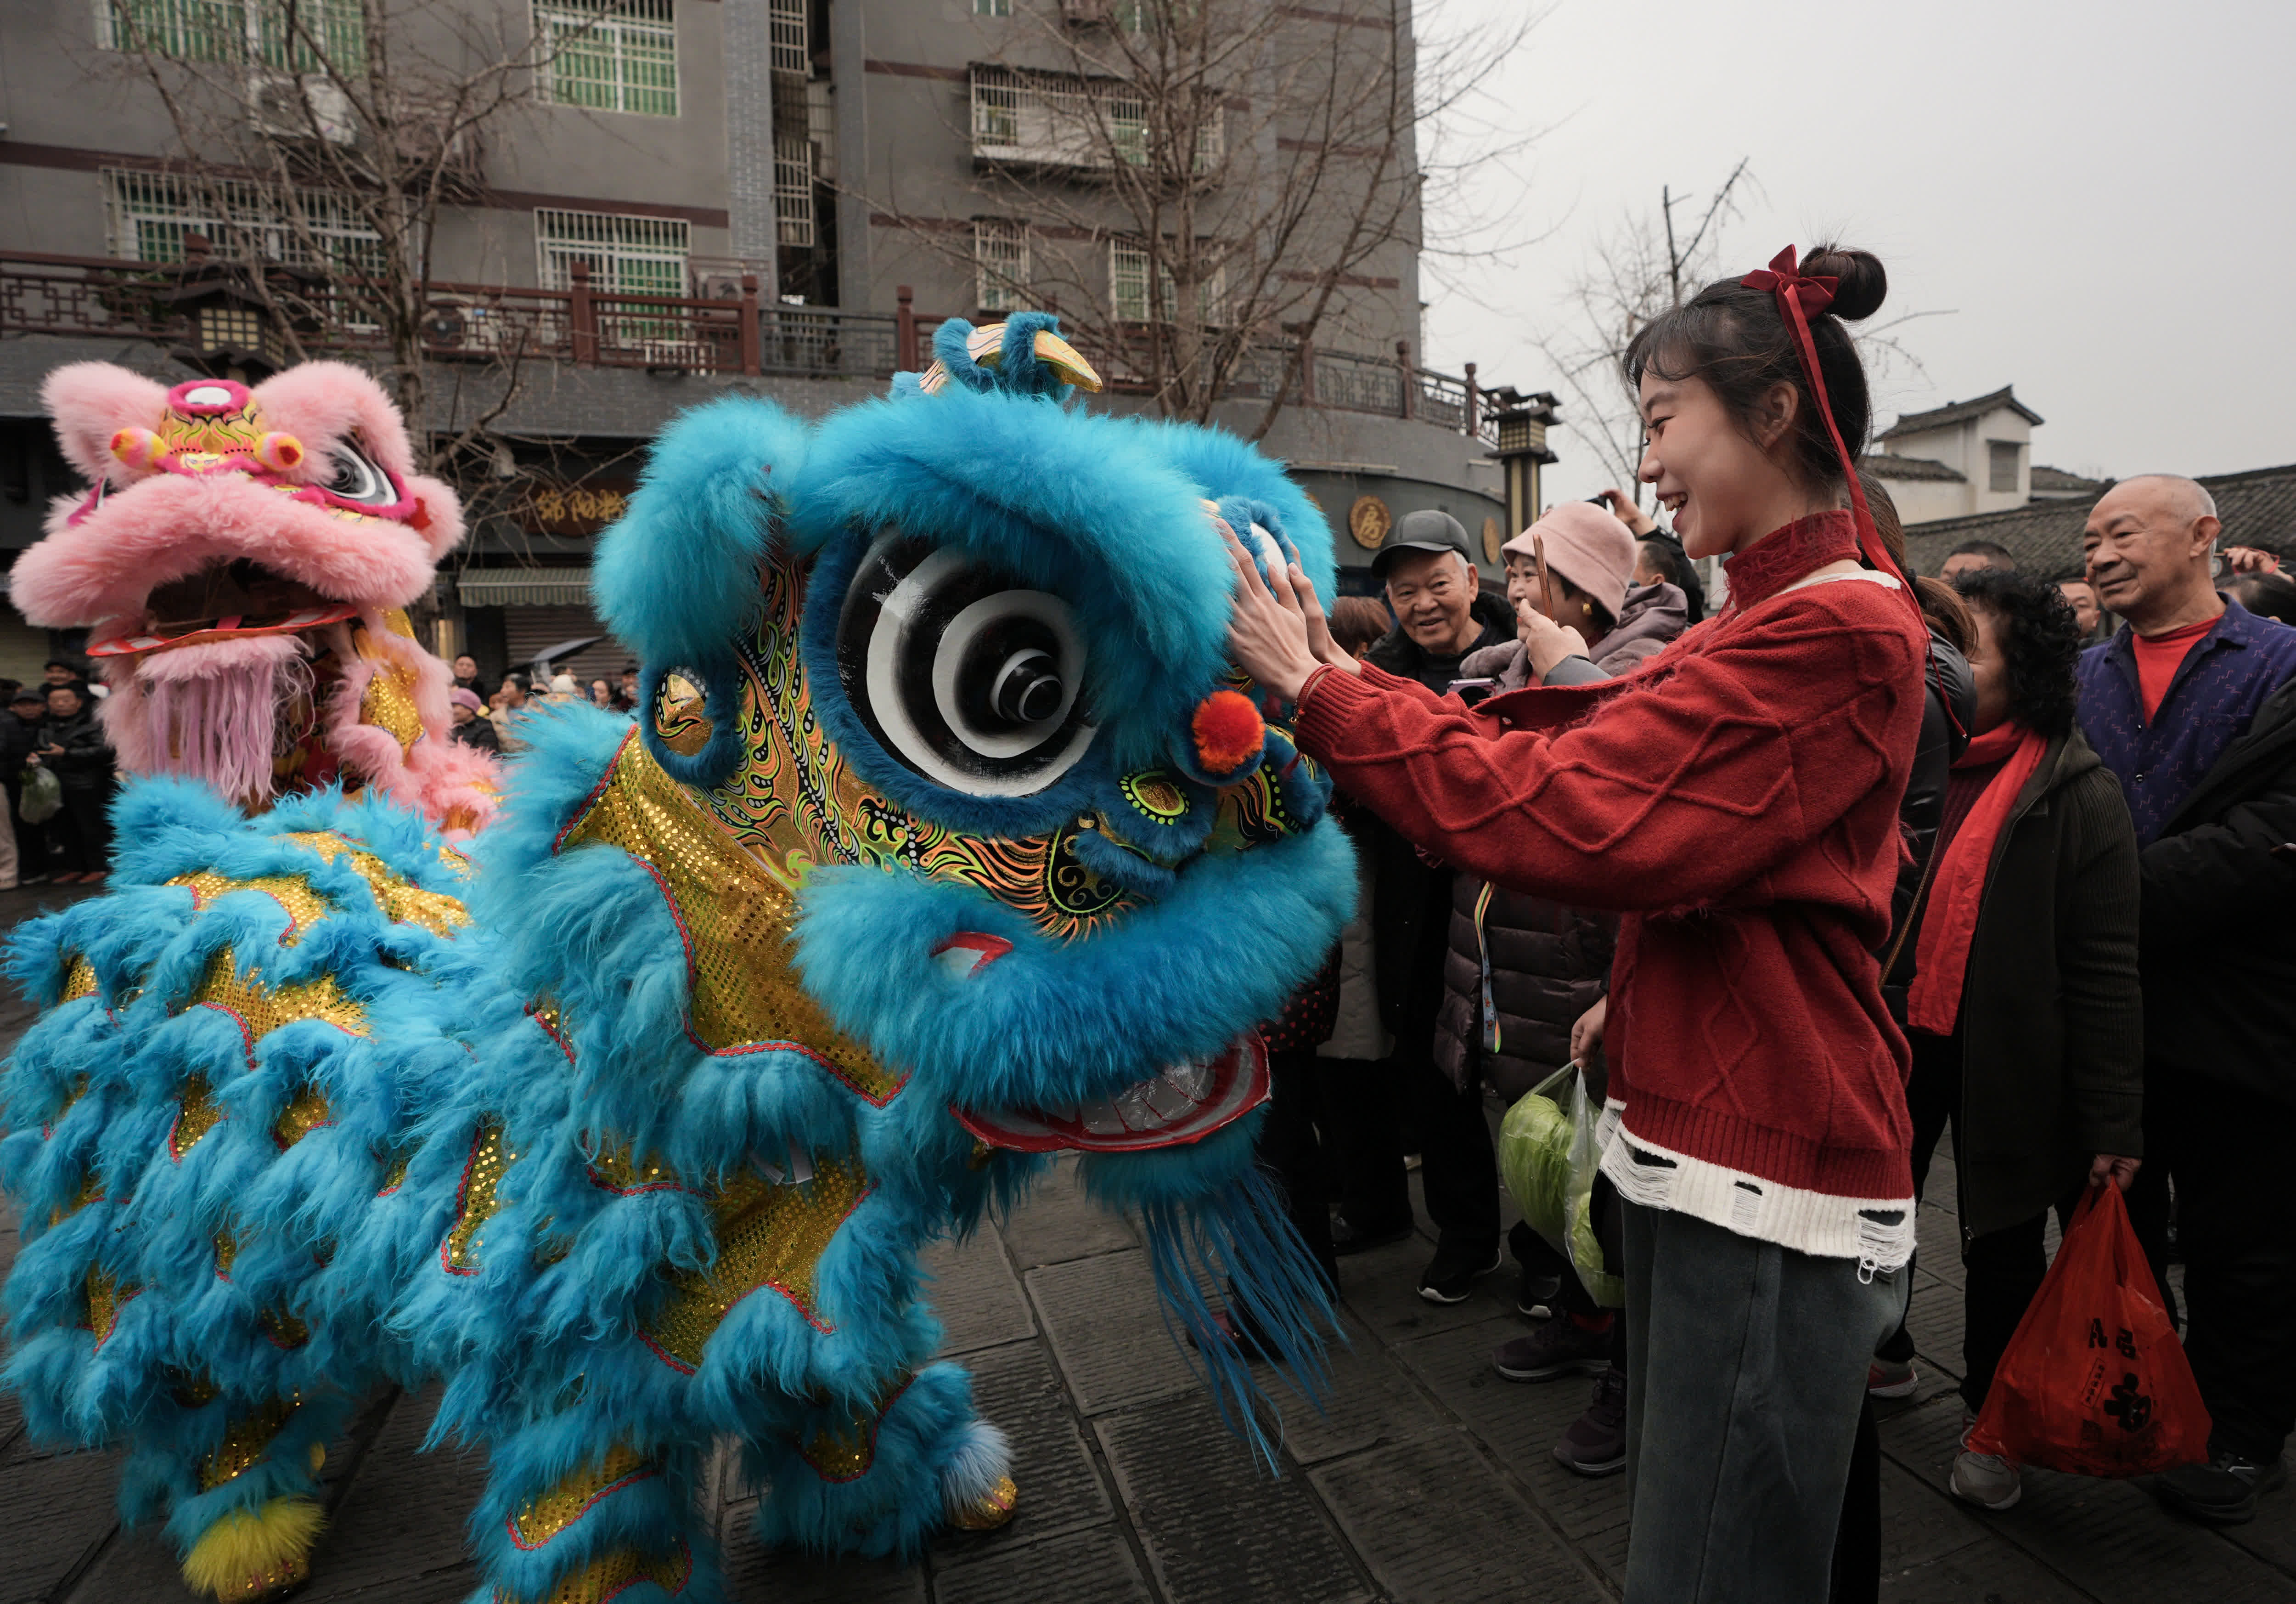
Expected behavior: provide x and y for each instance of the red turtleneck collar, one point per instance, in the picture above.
(1784, 555)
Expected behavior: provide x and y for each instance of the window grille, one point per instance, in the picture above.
(294, 36)
(634, 256)
(992, 8)
(792, 43)
(793, 189)
(2002, 464)
(609, 55)
(147, 216)
(1049, 119)
(1127, 287)
(1000, 264)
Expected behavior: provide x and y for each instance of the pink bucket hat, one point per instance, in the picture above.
(1585, 546)
(462, 696)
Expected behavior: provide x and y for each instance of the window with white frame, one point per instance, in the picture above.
(1058, 119)
(992, 8)
(1127, 287)
(2001, 464)
(634, 256)
(793, 189)
(310, 36)
(1000, 264)
(609, 55)
(147, 216)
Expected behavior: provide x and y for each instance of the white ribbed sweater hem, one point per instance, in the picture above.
(1878, 1232)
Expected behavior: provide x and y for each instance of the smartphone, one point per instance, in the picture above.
(1471, 691)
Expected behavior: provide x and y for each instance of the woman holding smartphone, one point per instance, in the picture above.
(1737, 802)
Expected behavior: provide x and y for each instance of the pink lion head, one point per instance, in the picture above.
(241, 565)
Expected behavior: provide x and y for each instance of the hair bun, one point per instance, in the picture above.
(1860, 284)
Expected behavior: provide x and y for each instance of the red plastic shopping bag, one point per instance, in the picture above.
(2094, 1381)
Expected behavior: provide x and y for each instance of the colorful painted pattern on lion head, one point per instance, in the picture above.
(240, 565)
(951, 669)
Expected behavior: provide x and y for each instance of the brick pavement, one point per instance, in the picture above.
(1427, 1480)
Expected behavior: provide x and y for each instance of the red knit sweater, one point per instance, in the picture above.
(1736, 800)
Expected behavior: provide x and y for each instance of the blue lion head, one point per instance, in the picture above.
(952, 666)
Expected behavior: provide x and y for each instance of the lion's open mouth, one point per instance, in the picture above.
(1185, 1103)
(228, 599)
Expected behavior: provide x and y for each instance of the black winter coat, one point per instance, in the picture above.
(87, 761)
(17, 741)
(2051, 1025)
(2219, 920)
(1549, 964)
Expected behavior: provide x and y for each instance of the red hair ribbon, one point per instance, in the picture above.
(1800, 298)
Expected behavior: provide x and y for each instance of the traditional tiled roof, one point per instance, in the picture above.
(1882, 466)
(2258, 507)
(2056, 482)
(1955, 412)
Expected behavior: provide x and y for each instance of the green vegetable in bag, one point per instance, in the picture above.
(44, 795)
(1548, 1158)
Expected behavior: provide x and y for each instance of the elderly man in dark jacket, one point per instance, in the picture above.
(2193, 709)
(70, 742)
(1444, 613)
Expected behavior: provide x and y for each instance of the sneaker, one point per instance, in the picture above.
(1891, 1379)
(1990, 1481)
(2223, 1492)
(1540, 1296)
(1595, 1443)
(33, 880)
(1346, 1239)
(1451, 1275)
(1560, 1347)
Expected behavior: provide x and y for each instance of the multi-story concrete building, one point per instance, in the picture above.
(681, 197)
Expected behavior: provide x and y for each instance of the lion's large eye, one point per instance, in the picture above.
(351, 477)
(962, 676)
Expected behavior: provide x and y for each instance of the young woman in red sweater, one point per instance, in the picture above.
(1736, 800)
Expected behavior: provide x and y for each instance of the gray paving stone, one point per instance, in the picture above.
(1521, 1422)
(1105, 1324)
(1017, 1389)
(1984, 1574)
(1059, 1223)
(2271, 1536)
(1937, 1320)
(755, 1574)
(1094, 1566)
(1938, 1234)
(976, 1295)
(1438, 1526)
(1381, 1288)
(1370, 1401)
(59, 1515)
(1216, 1527)
(1921, 1523)
(404, 1514)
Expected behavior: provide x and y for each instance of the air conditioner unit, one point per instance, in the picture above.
(312, 106)
(719, 286)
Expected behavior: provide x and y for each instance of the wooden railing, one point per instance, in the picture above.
(591, 326)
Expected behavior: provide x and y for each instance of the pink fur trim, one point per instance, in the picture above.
(438, 775)
(169, 526)
(207, 712)
(89, 403)
(321, 402)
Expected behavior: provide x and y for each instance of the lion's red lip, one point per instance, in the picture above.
(1183, 1104)
(231, 628)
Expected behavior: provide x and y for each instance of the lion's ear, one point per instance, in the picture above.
(89, 402)
(324, 403)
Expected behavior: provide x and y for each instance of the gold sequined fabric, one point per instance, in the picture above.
(261, 1009)
(544, 1517)
(283, 1328)
(613, 1573)
(90, 1190)
(402, 902)
(767, 1236)
(617, 1169)
(244, 1443)
(105, 1296)
(293, 892)
(197, 1115)
(394, 1170)
(388, 703)
(991, 1509)
(79, 980)
(305, 1113)
(844, 1451)
(737, 920)
(226, 1249)
(475, 1203)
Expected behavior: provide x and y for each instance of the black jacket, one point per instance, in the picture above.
(2051, 1026)
(2219, 920)
(1944, 737)
(1549, 964)
(1411, 898)
(478, 732)
(17, 740)
(87, 761)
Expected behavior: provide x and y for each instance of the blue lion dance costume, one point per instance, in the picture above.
(946, 840)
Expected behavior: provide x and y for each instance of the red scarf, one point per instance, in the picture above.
(1958, 888)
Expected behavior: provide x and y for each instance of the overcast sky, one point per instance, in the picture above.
(2099, 194)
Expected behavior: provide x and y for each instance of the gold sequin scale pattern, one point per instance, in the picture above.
(244, 1443)
(544, 1517)
(736, 918)
(402, 902)
(844, 1453)
(79, 980)
(767, 1236)
(612, 1574)
(475, 1202)
(388, 703)
(261, 1009)
(293, 892)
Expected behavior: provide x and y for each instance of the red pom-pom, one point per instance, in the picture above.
(1227, 730)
